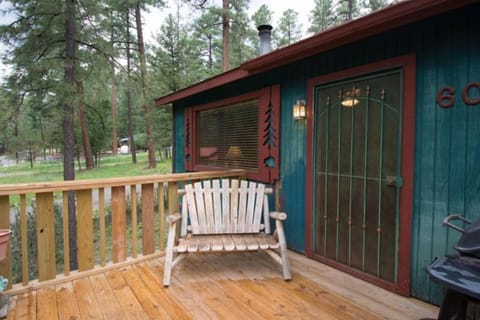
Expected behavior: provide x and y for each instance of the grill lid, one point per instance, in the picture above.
(469, 242)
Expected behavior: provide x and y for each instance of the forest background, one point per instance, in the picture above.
(79, 74)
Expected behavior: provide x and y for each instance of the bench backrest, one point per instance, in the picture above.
(225, 206)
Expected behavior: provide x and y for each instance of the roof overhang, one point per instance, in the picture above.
(389, 18)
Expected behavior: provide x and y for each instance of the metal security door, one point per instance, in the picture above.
(357, 182)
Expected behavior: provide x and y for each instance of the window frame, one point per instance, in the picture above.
(268, 135)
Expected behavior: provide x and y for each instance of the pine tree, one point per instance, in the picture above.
(288, 30)
(374, 5)
(322, 17)
(241, 49)
(207, 43)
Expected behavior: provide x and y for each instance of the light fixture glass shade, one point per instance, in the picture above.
(350, 102)
(299, 111)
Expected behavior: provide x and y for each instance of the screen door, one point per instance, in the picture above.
(357, 178)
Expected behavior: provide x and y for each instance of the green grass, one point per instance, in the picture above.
(109, 167)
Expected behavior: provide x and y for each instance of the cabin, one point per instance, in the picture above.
(368, 132)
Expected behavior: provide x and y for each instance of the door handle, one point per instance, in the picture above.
(394, 181)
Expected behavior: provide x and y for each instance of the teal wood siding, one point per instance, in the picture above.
(178, 140)
(293, 162)
(447, 141)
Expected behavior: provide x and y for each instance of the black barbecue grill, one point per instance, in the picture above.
(460, 274)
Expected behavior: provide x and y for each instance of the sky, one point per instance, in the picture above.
(155, 18)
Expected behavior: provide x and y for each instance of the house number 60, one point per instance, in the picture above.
(446, 99)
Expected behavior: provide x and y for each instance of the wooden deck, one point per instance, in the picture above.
(217, 286)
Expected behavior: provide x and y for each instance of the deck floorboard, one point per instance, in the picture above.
(218, 286)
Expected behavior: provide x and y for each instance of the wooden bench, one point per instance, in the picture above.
(225, 216)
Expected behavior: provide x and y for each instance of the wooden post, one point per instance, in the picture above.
(45, 236)
(173, 198)
(161, 213)
(85, 230)
(133, 198)
(24, 235)
(148, 218)
(119, 224)
(6, 265)
(66, 234)
(101, 216)
(277, 187)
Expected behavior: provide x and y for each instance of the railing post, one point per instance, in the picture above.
(101, 223)
(85, 229)
(172, 200)
(24, 236)
(148, 218)
(45, 236)
(6, 265)
(161, 213)
(119, 223)
(134, 216)
(66, 234)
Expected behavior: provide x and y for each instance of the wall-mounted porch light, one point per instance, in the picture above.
(299, 112)
(350, 99)
(350, 102)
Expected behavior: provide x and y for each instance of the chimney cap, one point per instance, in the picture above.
(264, 27)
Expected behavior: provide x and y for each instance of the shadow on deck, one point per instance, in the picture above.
(218, 286)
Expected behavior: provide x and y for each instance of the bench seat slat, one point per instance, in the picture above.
(238, 242)
(228, 243)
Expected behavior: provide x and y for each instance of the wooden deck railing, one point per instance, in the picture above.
(154, 195)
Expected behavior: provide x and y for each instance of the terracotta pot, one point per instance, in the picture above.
(4, 237)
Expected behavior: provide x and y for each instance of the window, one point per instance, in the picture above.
(236, 133)
(227, 136)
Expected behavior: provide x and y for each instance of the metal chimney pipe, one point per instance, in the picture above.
(265, 33)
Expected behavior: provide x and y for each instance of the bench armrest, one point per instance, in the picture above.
(278, 215)
(173, 218)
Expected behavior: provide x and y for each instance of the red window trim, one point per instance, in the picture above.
(268, 133)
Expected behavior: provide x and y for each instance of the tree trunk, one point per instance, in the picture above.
(129, 97)
(68, 133)
(226, 35)
(82, 115)
(152, 163)
(114, 113)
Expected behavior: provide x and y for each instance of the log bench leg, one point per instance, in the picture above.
(283, 250)
(167, 272)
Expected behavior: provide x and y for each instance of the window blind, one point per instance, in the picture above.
(227, 136)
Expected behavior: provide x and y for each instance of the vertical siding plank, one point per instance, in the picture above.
(85, 229)
(119, 223)
(425, 160)
(148, 218)
(472, 169)
(45, 236)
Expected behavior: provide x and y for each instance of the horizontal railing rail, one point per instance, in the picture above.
(117, 220)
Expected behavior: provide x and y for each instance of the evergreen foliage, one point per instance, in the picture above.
(184, 51)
